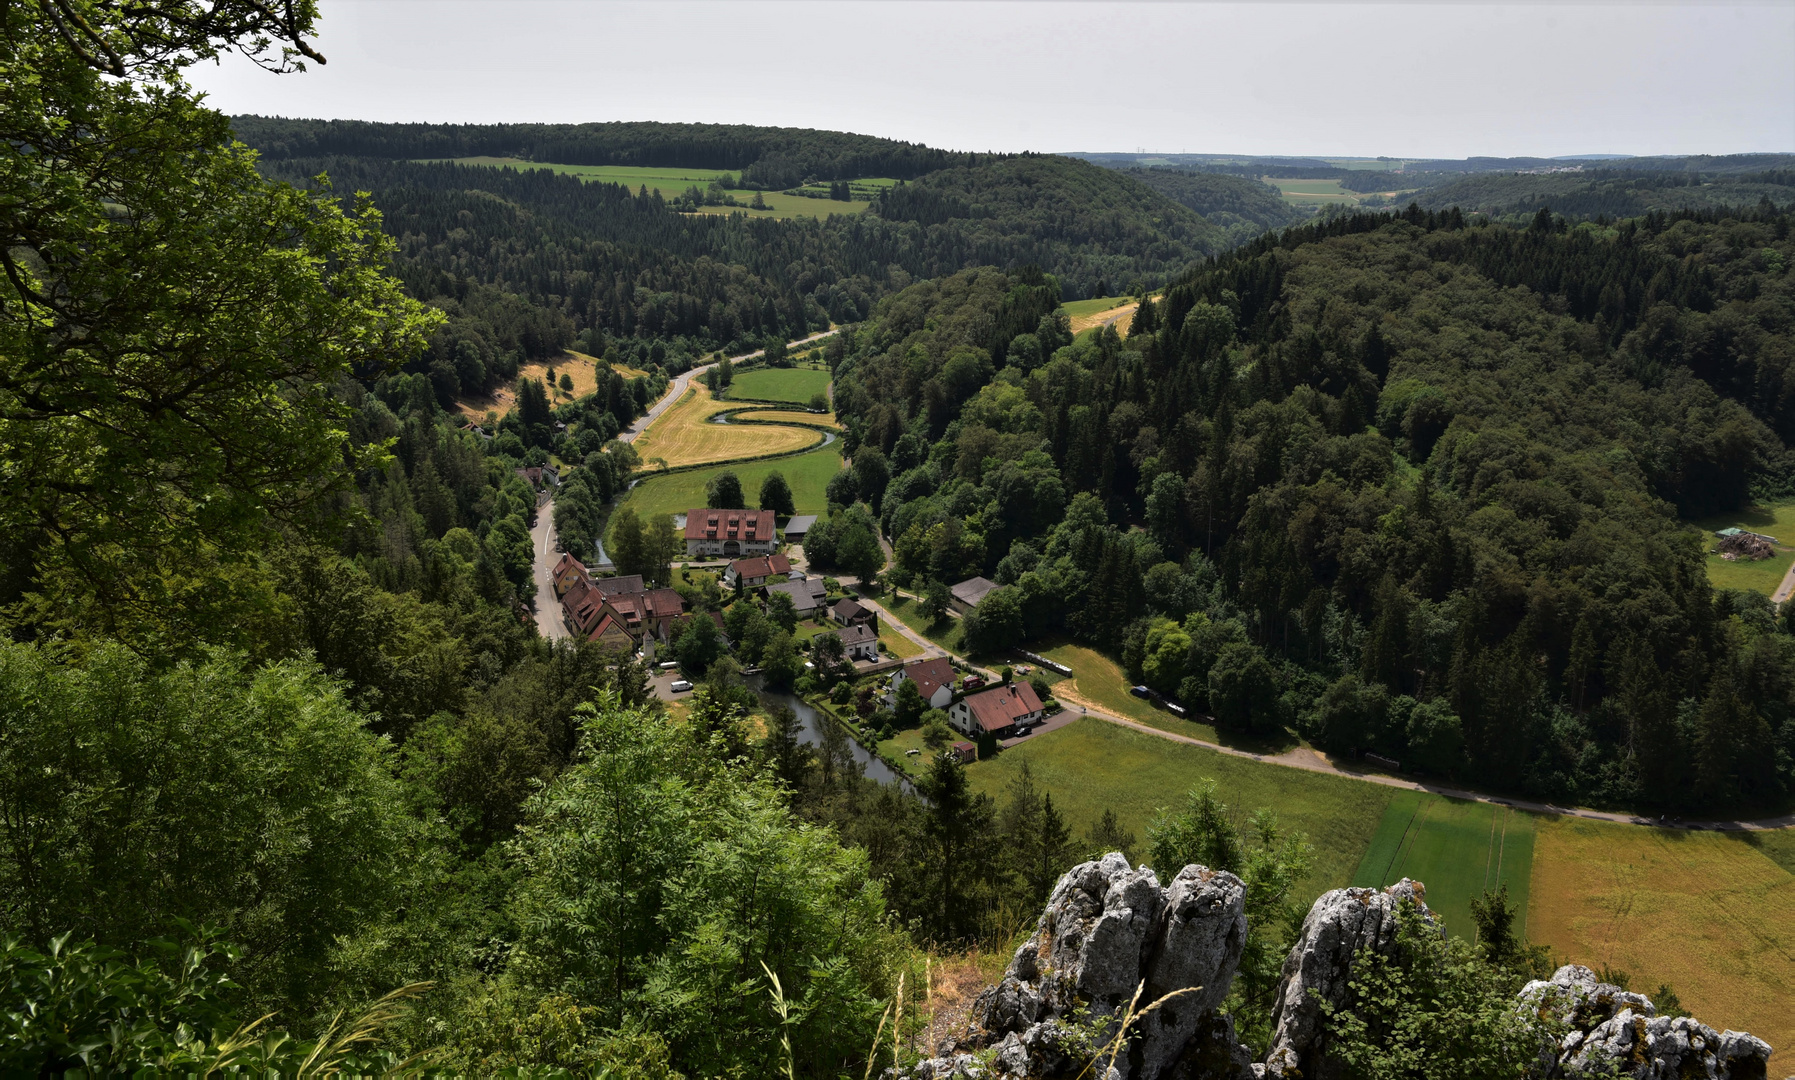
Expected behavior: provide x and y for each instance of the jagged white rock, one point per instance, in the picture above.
(1339, 924)
(1609, 1026)
(1107, 930)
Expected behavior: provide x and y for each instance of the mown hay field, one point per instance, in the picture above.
(1117, 311)
(808, 475)
(1458, 849)
(683, 434)
(1709, 913)
(1092, 765)
(581, 368)
(779, 384)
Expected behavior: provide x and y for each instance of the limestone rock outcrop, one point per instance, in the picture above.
(1108, 929)
(1612, 1027)
(1338, 926)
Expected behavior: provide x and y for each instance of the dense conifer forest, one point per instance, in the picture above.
(280, 734)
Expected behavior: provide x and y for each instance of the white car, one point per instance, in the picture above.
(680, 686)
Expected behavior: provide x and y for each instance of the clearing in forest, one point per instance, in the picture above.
(1116, 311)
(684, 435)
(581, 368)
(796, 385)
(1709, 913)
(673, 180)
(1458, 849)
(1761, 575)
(1092, 765)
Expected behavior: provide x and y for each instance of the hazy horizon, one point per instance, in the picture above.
(1405, 80)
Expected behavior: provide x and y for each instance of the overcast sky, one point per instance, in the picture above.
(1402, 79)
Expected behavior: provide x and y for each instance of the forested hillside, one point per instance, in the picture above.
(767, 157)
(1609, 193)
(1245, 207)
(1400, 483)
(526, 263)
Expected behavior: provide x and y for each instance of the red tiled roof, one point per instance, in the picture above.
(1001, 706)
(930, 675)
(703, 524)
(568, 562)
(762, 566)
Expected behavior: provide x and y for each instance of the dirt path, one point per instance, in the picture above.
(1788, 586)
(1302, 757)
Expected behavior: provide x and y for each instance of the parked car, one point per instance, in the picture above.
(1140, 692)
(972, 682)
(671, 665)
(1176, 709)
(680, 686)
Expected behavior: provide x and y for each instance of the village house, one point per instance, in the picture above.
(966, 595)
(858, 642)
(996, 712)
(567, 571)
(850, 613)
(807, 595)
(934, 679)
(730, 533)
(645, 615)
(753, 573)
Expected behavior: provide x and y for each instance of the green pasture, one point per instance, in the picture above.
(1458, 849)
(1092, 765)
(1101, 681)
(945, 633)
(1763, 576)
(779, 384)
(1074, 309)
(782, 206)
(671, 181)
(808, 474)
(1313, 192)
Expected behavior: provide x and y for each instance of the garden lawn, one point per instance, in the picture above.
(1762, 576)
(907, 739)
(779, 384)
(1091, 765)
(1708, 913)
(945, 633)
(1100, 681)
(684, 435)
(899, 645)
(675, 493)
(1458, 849)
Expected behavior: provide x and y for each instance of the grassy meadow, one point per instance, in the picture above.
(1092, 765)
(1762, 576)
(779, 384)
(945, 633)
(1458, 849)
(582, 368)
(683, 435)
(672, 181)
(1709, 913)
(808, 474)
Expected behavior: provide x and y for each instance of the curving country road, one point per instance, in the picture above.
(543, 541)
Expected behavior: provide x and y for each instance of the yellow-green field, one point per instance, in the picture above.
(581, 368)
(1327, 192)
(1708, 913)
(1116, 311)
(683, 436)
(1761, 576)
(1457, 849)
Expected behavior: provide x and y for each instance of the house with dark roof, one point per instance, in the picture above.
(934, 679)
(755, 572)
(645, 614)
(730, 533)
(851, 613)
(799, 527)
(997, 711)
(858, 642)
(966, 595)
(807, 595)
(583, 605)
(624, 583)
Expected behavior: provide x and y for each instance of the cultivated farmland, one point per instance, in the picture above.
(1117, 311)
(1708, 913)
(672, 181)
(684, 435)
(1092, 765)
(779, 384)
(1457, 849)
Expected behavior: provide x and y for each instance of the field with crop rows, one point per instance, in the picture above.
(683, 434)
(1712, 914)
(1457, 849)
